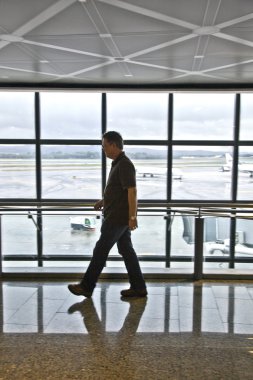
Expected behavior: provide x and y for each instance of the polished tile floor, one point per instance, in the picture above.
(183, 330)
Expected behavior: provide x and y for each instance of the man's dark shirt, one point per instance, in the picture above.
(121, 177)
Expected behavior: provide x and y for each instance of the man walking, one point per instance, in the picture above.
(119, 208)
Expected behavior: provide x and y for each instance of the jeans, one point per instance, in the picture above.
(111, 234)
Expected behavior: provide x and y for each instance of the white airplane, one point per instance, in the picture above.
(242, 167)
(154, 172)
(83, 223)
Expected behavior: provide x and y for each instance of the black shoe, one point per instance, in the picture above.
(79, 290)
(134, 292)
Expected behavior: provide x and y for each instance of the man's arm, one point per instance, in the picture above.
(132, 204)
(99, 205)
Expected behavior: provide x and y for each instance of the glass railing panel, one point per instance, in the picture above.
(19, 238)
(182, 241)
(216, 242)
(70, 234)
(244, 240)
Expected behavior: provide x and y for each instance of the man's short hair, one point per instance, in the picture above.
(114, 137)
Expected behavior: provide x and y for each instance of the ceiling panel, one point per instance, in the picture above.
(137, 42)
(242, 30)
(122, 43)
(119, 20)
(232, 9)
(15, 13)
(90, 44)
(191, 11)
(71, 21)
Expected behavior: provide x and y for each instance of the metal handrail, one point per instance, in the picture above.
(170, 209)
(236, 209)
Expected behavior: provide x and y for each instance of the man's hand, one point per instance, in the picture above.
(99, 205)
(133, 224)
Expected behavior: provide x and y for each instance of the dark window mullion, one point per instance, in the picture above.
(38, 146)
(235, 177)
(169, 179)
(236, 147)
(38, 178)
(104, 128)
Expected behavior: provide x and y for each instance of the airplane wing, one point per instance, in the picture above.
(155, 172)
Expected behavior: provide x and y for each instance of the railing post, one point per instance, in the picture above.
(198, 249)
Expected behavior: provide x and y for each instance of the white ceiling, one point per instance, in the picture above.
(121, 43)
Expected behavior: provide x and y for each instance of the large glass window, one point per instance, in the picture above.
(17, 115)
(151, 170)
(67, 150)
(71, 171)
(203, 116)
(205, 173)
(245, 173)
(246, 127)
(70, 115)
(17, 171)
(138, 115)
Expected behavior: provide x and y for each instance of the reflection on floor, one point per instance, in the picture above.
(183, 330)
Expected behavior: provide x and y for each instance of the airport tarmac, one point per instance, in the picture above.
(81, 179)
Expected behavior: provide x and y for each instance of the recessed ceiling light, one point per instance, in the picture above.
(10, 38)
(128, 75)
(205, 30)
(198, 56)
(44, 61)
(107, 35)
(119, 59)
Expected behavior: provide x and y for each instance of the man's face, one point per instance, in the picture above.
(108, 148)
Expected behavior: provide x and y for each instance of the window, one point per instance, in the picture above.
(203, 116)
(138, 115)
(71, 171)
(205, 173)
(70, 115)
(151, 170)
(65, 162)
(17, 115)
(17, 171)
(246, 117)
(245, 173)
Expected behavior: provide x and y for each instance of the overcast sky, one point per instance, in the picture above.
(135, 115)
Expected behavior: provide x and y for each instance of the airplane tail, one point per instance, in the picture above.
(229, 159)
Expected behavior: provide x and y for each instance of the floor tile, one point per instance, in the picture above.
(180, 331)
